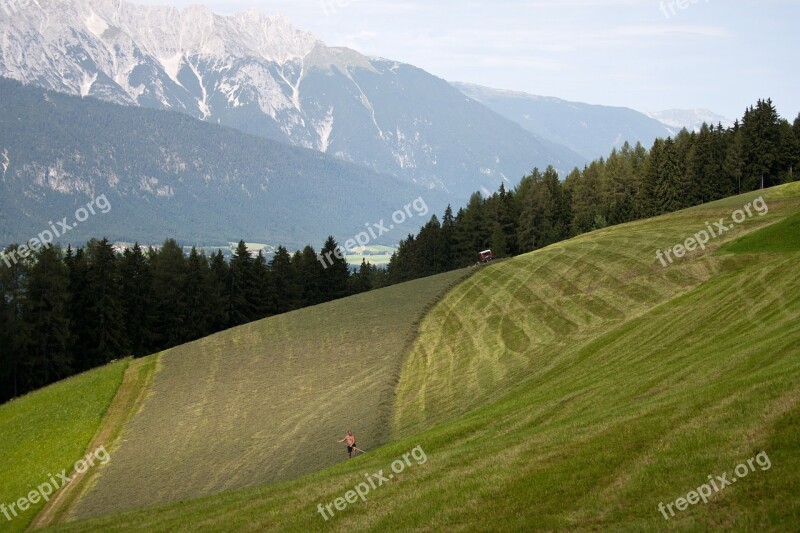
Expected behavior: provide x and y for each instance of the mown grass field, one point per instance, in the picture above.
(47, 431)
(267, 401)
(509, 322)
(576, 388)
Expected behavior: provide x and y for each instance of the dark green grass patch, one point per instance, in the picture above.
(781, 237)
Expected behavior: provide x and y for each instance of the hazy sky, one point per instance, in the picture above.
(647, 54)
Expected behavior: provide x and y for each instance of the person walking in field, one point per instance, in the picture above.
(351, 443)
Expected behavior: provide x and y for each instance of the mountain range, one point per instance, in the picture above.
(165, 174)
(358, 125)
(259, 74)
(590, 130)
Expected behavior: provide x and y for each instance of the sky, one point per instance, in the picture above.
(651, 55)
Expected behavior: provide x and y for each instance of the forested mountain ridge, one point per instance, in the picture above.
(166, 174)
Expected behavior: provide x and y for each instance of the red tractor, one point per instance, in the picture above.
(487, 256)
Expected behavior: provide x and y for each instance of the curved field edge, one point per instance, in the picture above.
(637, 415)
(47, 431)
(266, 401)
(505, 325)
(127, 401)
(783, 236)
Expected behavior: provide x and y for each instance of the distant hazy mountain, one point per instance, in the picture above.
(261, 75)
(691, 119)
(168, 175)
(590, 130)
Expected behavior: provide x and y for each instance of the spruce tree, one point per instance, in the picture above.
(241, 302)
(649, 205)
(448, 243)
(428, 255)
(284, 284)
(136, 301)
(761, 146)
(217, 293)
(733, 165)
(504, 232)
(788, 153)
(47, 358)
(535, 223)
(403, 265)
(261, 294)
(106, 317)
(669, 181)
(80, 312)
(310, 273)
(336, 273)
(586, 200)
(362, 282)
(473, 232)
(168, 296)
(197, 294)
(562, 211)
(17, 334)
(701, 169)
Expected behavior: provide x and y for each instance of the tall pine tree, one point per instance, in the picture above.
(108, 340)
(47, 357)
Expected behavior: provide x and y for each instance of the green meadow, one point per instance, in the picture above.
(48, 431)
(580, 387)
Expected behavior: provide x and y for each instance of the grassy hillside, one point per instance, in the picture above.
(47, 431)
(266, 401)
(511, 321)
(578, 387)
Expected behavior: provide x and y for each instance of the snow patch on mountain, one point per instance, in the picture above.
(86, 86)
(324, 130)
(6, 161)
(691, 119)
(172, 66)
(96, 25)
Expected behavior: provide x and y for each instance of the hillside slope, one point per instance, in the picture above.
(47, 431)
(618, 386)
(266, 401)
(476, 345)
